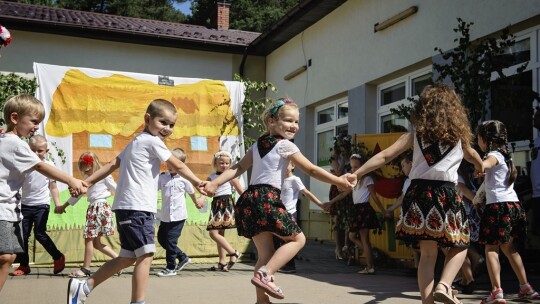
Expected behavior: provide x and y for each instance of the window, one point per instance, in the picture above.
(393, 94)
(332, 119)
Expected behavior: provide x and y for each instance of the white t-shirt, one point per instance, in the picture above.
(444, 170)
(224, 189)
(496, 180)
(35, 189)
(272, 168)
(99, 191)
(139, 171)
(360, 192)
(535, 168)
(406, 185)
(290, 190)
(173, 197)
(16, 159)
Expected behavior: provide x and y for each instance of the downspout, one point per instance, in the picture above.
(243, 62)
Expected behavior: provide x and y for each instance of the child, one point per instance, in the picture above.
(291, 188)
(260, 214)
(37, 191)
(222, 212)
(99, 218)
(135, 201)
(432, 211)
(362, 217)
(22, 114)
(173, 215)
(503, 219)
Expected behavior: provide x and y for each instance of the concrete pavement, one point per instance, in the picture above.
(320, 279)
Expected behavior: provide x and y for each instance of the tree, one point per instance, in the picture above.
(162, 10)
(246, 15)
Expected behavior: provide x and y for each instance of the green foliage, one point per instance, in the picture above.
(12, 84)
(246, 15)
(252, 108)
(469, 66)
(162, 10)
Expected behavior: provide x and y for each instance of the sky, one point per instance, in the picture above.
(183, 7)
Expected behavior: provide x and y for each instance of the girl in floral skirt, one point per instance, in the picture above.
(503, 219)
(432, 213)
(259, 212)
(99, 218)
(222, 212)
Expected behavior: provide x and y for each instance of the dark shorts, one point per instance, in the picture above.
(11, 238)
(136, 232)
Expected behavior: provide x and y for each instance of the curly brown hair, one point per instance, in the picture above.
(439, 116)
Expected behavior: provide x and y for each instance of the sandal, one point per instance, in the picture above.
(81, 273)
(261, 280)
(527, 292)
(236, 255)
(445, 296)
(220, 267)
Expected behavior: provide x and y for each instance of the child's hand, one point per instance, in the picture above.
(326, 206)
(200, 202)
(209, 188)
(60, 209)
(348, 182)
(77, 187)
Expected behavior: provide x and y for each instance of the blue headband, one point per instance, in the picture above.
(281, 102)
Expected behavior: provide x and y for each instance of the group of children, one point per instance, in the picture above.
(432, 215)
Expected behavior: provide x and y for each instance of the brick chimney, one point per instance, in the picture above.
(223, 15)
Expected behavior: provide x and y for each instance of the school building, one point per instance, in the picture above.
(346, 63)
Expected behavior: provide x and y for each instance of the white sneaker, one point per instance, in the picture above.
(183, 264)
(75, 294)
(166, 273)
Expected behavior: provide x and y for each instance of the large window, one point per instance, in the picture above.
(392, 94)
(331, 120)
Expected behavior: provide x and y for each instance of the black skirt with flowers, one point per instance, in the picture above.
(341, 209)
(221, 213)
(260, 209)
(433, 210)
(501, 221)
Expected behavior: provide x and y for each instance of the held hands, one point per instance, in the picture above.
(200, 187)
(326, 206)
(200, 202)
(60, 209)
(77, 187)
(348, 181)
(209, 188)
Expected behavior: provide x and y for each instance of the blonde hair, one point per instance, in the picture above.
(37, 140)
(275, 110)
(180, 154)
(22, 104)
(158, 106)
(439, 116)
(219, 155)
(88, 159)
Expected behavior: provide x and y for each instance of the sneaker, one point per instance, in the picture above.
(166, 273)
(287, 269)
(22, 270)
(495, 297)
(75, 294)
(59, 264)
(183, 263)
(527, 292)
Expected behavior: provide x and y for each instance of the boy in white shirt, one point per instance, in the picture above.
(22, 114)
(135, 201)
(37, 190)
(173, 216)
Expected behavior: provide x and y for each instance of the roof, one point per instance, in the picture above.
(35, 18)
(20, 16)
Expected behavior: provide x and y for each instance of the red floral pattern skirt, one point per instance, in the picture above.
(260, 209)
(500, 221)
(433, 210)
(341, 209)
(221, 213)
(99, 220)
(363, 216)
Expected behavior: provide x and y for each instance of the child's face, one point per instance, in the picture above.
(290, 168)
(355, 164)
(27, 125)
(482, 143)
(161, 125)
(406, 166)
(40, 149)
(222, 163)
(286, 124)
(88, 170)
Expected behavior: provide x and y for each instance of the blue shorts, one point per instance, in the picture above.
(136, 232)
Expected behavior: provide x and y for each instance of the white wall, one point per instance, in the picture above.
(346, 52)
(28, 47)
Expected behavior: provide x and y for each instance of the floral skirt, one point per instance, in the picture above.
(259, 209)
(99, 220)
(500, 221)
(340, 209)
(221, 213)
(363, 216)
(433, 210)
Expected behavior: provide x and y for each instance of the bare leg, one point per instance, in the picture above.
(493, 266)
(109, 269)
(88, 252)
(6, 260)
(426, 269)
(139, 281)
(366, 245)
(265, 250)
(218, 237)
(106, 250)
(515, 261)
